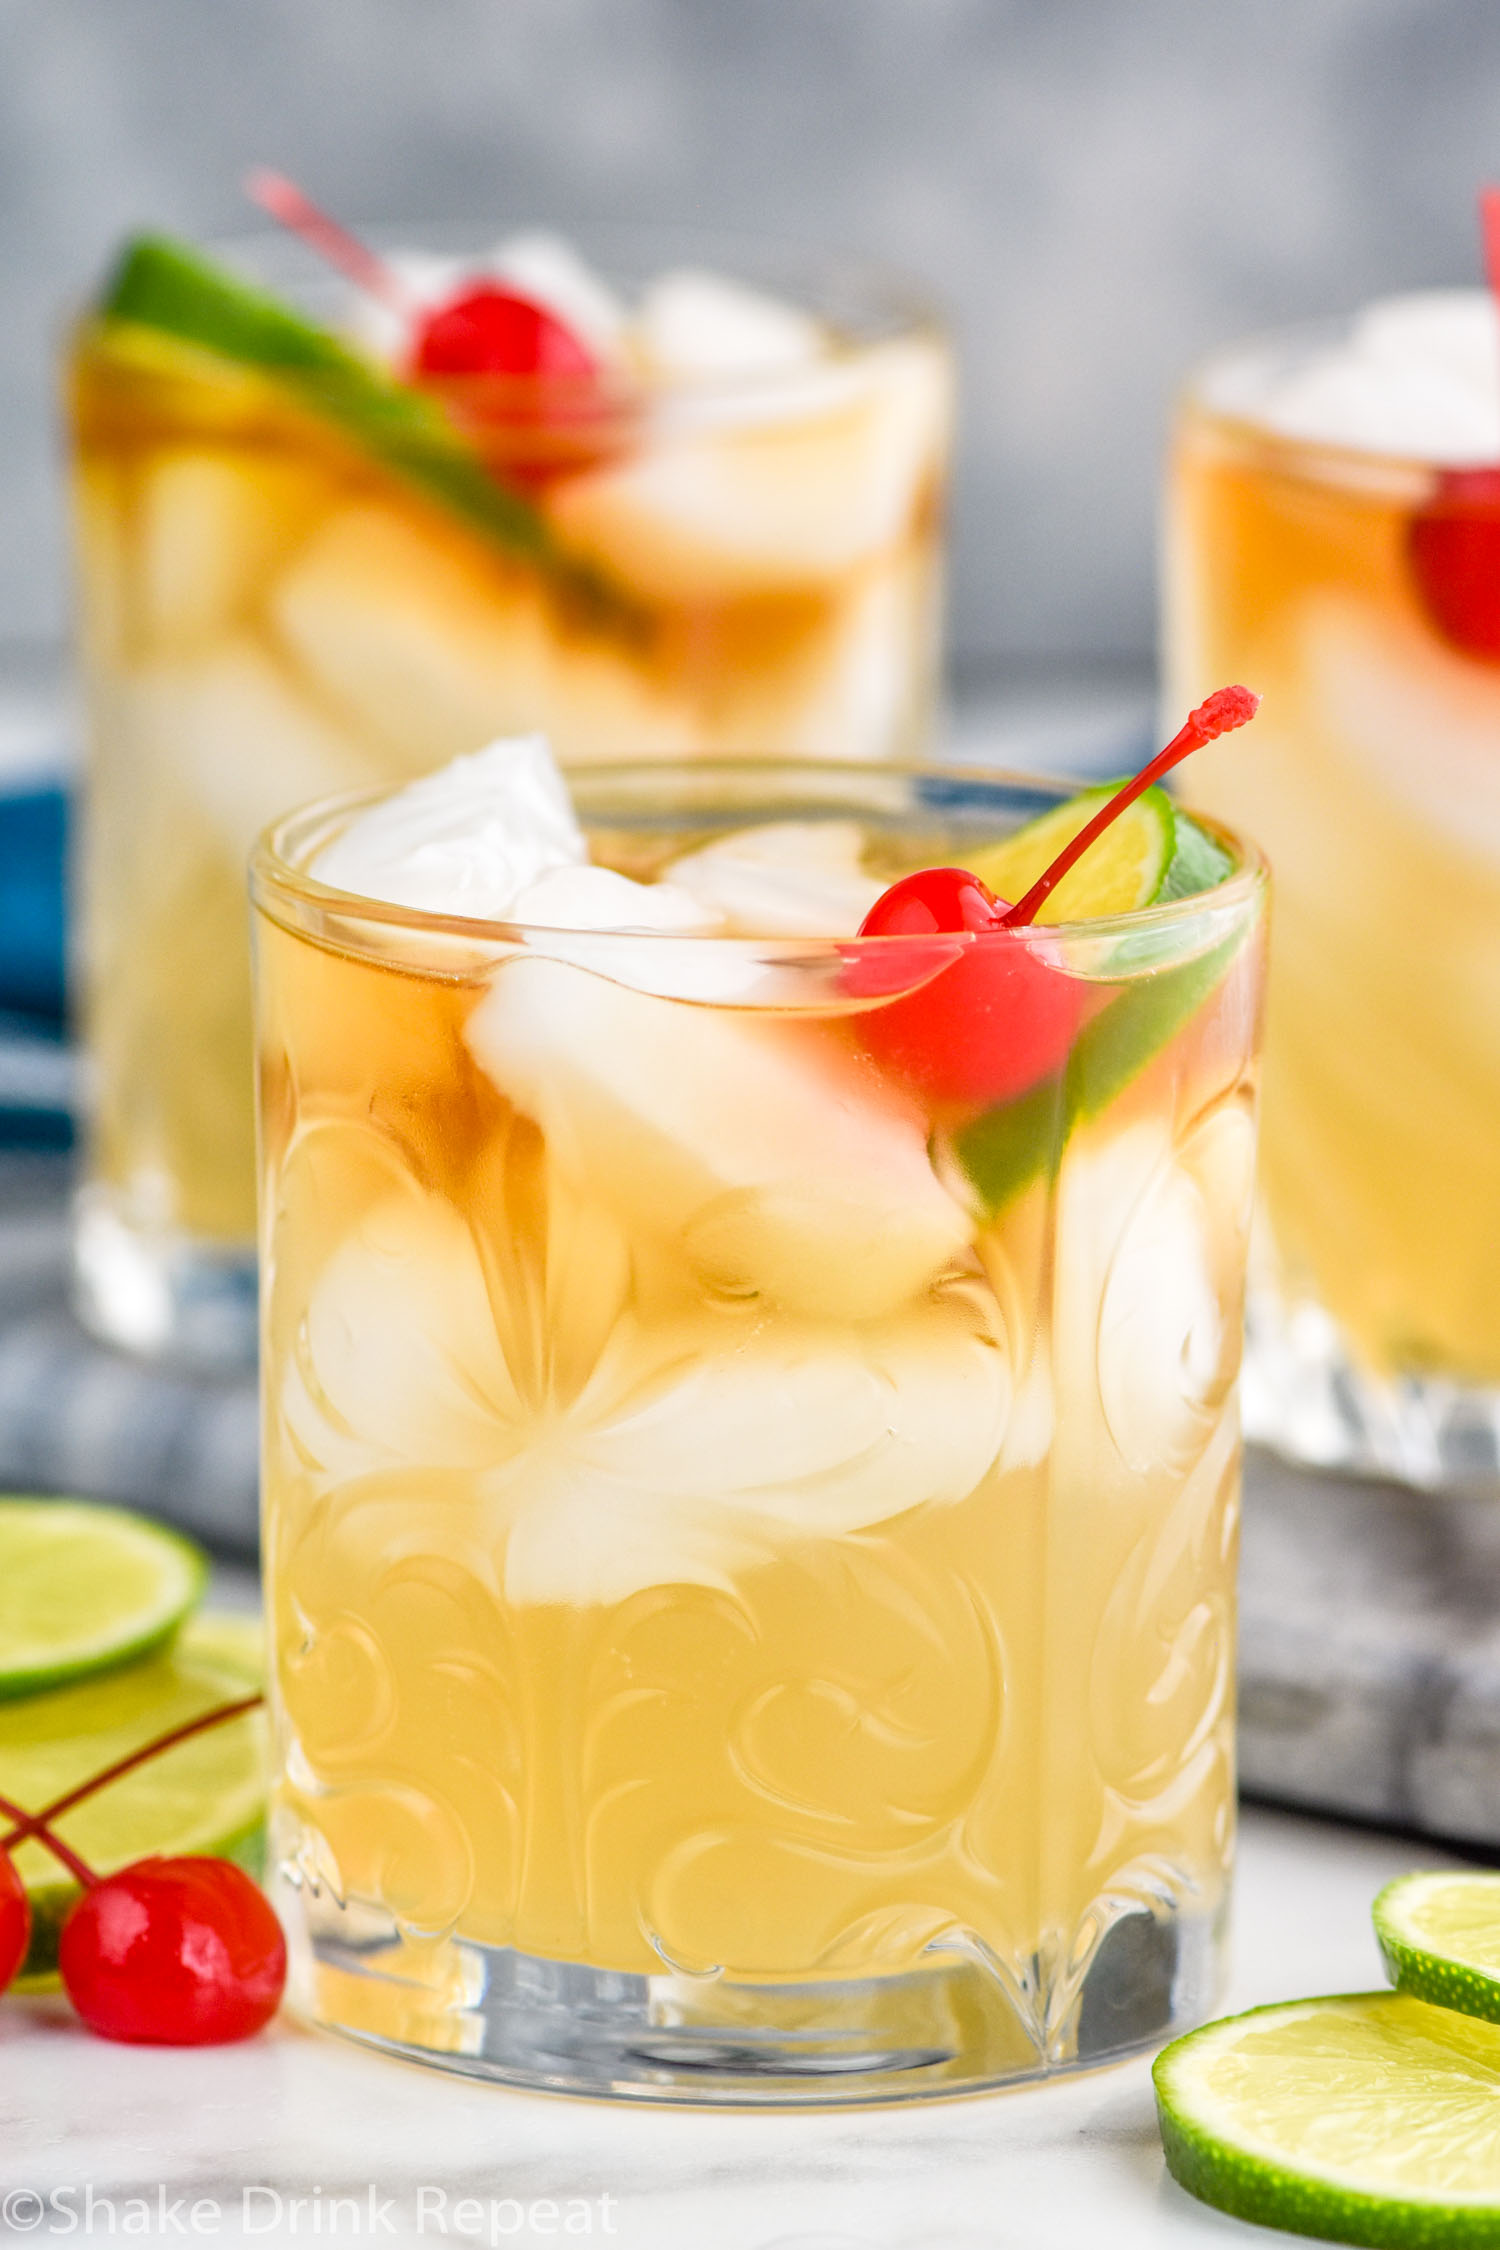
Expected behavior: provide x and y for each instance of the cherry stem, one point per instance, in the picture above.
(30, 1824)
(1220, 713)
(38, 1824)
(1489, 229)
(285, 202)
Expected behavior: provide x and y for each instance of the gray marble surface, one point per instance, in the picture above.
(299, 2118)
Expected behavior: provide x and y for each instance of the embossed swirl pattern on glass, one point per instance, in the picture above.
(780, 1659)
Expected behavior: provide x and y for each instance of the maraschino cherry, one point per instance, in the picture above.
(993, 1021)
(15, 1921)
(484, 328)
(174, 1952)
(999, 1015)
(1453, 543)
(182, 1952)
(545, 387)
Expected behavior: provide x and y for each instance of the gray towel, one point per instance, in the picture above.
(76, 1417)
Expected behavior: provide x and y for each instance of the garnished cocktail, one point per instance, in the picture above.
(327, 545)
(1331, 536)
(751, 1451)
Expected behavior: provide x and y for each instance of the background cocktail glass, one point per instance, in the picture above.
(268, 611)
(749, 1544)
(1373, 785)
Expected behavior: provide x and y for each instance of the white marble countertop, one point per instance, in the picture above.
(222, 2144)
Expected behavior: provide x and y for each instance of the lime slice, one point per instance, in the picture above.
(1153, 852)
(1373, 2118)
(1124, 870)
(1440, 1937)
(83, 1588)
(203, 1795)
(230, 1637)
(164, 286)
(1000, 1151)
(1199, 861)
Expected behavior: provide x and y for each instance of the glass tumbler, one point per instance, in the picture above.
(1373, 785)
(751, 1474)
(285, 590)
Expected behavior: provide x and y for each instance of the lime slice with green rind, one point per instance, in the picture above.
(1122, 871)
(1199, 861)
(1154, 851)
(84, 1588)
(1003, 1150)
(1439, 1935)
(1370, 2118)
(165, 286)
(203, 1795)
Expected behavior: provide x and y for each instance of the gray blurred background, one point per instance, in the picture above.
(1097, 189)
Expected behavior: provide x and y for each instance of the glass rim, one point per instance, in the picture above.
(900, 309)
(1318, 459)
(276, 874)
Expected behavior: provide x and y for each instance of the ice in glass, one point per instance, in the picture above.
(1334, 537)
(315, 554)
(751, 1448)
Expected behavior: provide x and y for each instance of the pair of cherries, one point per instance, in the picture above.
(182, 1952)
(999, 1015)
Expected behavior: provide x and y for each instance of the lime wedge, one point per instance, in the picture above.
(1440, 1937)
(1000, 1151)
(84, 1588)
(1199, 861)
(1153, 852)
(1372, 2118)
(164, 286)
(203, 1795)
(1124, 870)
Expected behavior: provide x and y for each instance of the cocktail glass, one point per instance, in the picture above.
(287, 587)
(1307, 568)
(750, 1531)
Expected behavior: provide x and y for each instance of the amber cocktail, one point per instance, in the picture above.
(751, 1468)
(308, 564)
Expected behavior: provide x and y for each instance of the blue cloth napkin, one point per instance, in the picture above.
(36, 1066)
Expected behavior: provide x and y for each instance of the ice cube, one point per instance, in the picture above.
(426, 648)
(765, 1148)
(209, 527)
(567, 911)
(396, 1361)
(692, 326)
(676, 1454)
(1377, 685)
(596, 898)
(242, 742)
(746, 1446)
(792, 493)
(789, 878)
(603, 705)
(1146, 1304)
(467, 840)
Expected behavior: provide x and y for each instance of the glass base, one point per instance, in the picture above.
(560, 2027)
(161, 1294)
(1305, 1396)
